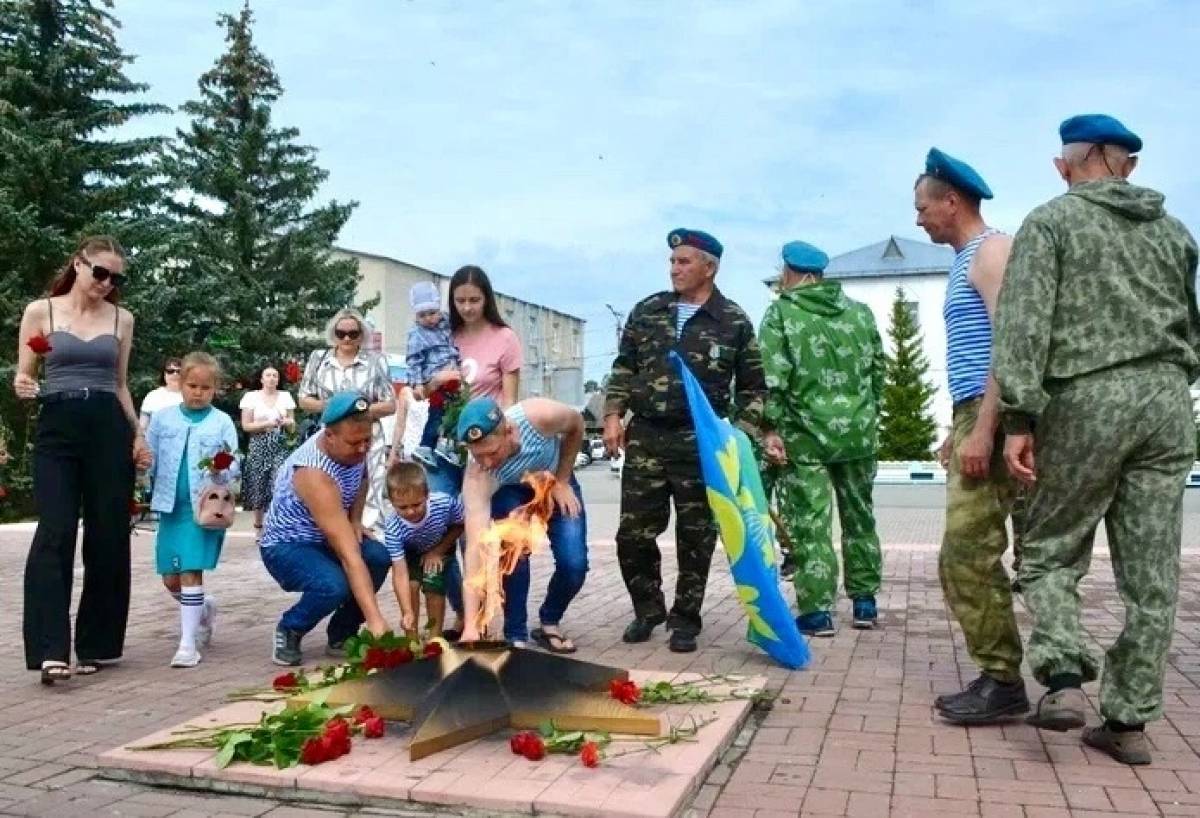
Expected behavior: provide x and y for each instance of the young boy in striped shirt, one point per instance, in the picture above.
(420, 537)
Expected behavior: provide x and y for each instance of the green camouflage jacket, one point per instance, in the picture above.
(1098, 277)
(719, 346)
(824, 363)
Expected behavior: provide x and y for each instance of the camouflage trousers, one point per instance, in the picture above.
(662, 466)
(974, 582)
(1116, 446)
(805, 492)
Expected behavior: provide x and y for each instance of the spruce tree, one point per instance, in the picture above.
(63, 88)
(907, 430)
(251, 277)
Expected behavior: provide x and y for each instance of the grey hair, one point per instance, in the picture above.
(342, 315)
(710, 258)
(1074, 153)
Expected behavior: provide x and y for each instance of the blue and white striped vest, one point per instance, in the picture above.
(968, 329)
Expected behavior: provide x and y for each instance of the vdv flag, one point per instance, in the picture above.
(739, 505)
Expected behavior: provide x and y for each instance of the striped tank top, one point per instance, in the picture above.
(288, 519)
(968, 329)
(536, 453)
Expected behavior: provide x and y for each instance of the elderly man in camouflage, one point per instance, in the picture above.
(824, 365)
(1097, 339)
(979, 490)
(716, 339)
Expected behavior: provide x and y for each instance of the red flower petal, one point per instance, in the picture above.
(39, 344)
(589, 754)
(374, 727)
(222, 460)
(285, 681)
(431, 650)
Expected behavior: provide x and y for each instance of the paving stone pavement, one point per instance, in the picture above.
(853, 735)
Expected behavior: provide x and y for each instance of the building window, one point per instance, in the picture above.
(914, 312)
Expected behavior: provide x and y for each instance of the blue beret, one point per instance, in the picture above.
(479, 418)
(1099, 129)
(804, 258)
(342, 405)
(956, 172)
(682, 237)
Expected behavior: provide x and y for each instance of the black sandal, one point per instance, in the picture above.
(553, 642)
(53, 671)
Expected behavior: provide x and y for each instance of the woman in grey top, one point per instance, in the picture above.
(346, 367)
(87, 443)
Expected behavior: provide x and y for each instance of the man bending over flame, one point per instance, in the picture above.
(530, 438)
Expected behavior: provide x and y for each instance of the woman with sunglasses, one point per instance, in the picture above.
(346, 367)
(164, 396)
(87, 443)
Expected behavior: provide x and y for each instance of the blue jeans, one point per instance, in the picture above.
(568, 543)
(316, 572)
(433, 428)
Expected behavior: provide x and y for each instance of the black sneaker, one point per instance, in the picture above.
(639, 629)
(287, 648)
(984, 701)
(682, 641)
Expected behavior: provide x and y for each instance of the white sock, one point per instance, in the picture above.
(191, 609)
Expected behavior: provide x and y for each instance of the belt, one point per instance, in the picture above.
(73, 394)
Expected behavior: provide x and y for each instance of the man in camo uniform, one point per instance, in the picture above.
(716, 339)
(1097, 339)
(824, 365)
(979, 490)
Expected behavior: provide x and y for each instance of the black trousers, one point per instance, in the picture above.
(82, 459)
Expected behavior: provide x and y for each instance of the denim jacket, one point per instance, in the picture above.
(165, 437)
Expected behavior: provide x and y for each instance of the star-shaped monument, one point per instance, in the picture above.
(472, 690)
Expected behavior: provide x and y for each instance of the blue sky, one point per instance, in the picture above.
(556, 143)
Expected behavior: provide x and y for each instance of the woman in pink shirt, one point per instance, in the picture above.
(490, 350)
(491, 364)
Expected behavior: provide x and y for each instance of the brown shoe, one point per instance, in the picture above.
(1061, 710)
(1128, 748)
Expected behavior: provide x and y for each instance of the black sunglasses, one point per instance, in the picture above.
(347, 334)
(103, 274)
(172, 370)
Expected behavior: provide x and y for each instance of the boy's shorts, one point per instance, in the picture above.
(434, 583)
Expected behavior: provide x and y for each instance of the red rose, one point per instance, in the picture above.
(333, 746)
(437, 400)
(286, 681)
(403, 656)
(374, 658)
(625, 691)
(292, 372)
(222, 460)
(373, 727)
(365, 712)
(589, 754)
(39, 343)
(312, 752)
(337, 727)
(135, 507)
(451, 386)
(534, 748)
(432, 650)
(517, 744)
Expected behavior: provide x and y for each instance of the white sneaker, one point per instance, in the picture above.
(204, 631)
(186, 658)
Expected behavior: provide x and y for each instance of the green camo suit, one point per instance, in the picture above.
(824, 365)
(1097, 339)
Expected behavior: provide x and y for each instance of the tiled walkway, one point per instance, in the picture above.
(853, 735)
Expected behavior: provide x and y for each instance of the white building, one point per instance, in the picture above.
(871, 275)
(553, 340)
